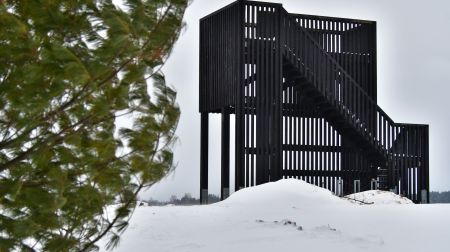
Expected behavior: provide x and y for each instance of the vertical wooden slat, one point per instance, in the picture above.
(255, 80)
(239, 119)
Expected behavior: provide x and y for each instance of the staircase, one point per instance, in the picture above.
(338, 96)
(348, 107)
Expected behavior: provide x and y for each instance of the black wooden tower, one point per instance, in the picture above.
(303, 90)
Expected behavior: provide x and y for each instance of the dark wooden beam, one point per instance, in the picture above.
(204, 158)
(225, 155)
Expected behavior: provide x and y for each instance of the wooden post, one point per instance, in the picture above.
(204, 158)
(225, 155)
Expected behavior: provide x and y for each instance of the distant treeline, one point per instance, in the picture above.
(186, 200)
(440, 197)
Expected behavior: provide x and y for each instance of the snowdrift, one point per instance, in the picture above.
(283, 193)
(377, 197)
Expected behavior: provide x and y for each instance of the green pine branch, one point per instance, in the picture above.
(68, 69)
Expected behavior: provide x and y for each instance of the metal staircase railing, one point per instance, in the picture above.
(339, 88)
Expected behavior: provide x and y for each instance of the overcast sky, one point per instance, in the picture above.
(413, 80)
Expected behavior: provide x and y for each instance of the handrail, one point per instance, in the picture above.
(412, 124)
(348, 20)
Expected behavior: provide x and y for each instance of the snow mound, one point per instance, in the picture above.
(285, 192)
(377, 197)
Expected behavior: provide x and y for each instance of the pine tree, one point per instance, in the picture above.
(68, 70)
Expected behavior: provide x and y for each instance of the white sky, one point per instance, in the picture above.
(413, 80)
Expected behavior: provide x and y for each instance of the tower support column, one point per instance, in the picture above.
(204, 158)
(225, 155)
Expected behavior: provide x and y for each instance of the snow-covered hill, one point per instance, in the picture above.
(291, 215)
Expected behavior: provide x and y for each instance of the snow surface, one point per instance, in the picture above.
(290, 215)
(377, 197)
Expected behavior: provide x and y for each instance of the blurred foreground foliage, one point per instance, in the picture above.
(68, 71)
